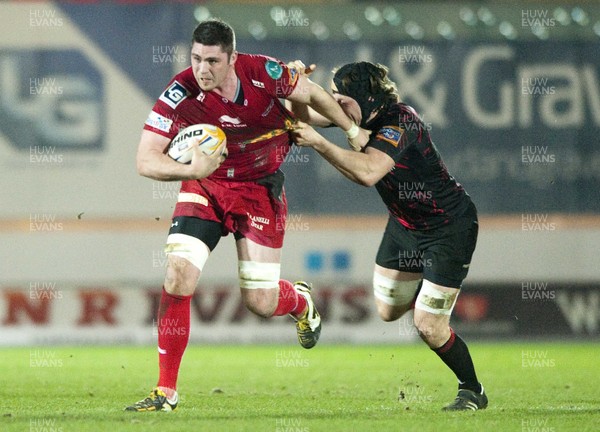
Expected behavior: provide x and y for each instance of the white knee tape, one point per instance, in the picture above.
(434, 301)
(255, 275)
(188, 247)
(394, 292)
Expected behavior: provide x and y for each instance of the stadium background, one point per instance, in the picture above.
(511, 94)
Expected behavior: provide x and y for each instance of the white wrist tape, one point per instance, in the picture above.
(353, 131)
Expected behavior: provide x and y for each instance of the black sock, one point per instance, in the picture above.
(456, 356)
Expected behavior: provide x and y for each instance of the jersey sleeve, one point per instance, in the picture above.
(278, 79)
(403, 128)
(161, 119)
(390, 139)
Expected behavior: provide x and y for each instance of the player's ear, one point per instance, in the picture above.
(233, 57)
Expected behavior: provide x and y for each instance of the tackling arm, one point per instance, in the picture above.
(363, 168)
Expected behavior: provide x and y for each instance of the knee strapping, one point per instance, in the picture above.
(188, 247)
(434, 301)
(255, 275)
(394, 292)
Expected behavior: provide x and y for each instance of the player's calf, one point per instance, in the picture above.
(261, 302)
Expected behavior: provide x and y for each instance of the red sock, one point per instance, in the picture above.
(173, 334)
(290, 302)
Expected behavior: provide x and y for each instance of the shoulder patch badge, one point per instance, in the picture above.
(274, 69)
(390, 134)
(174, 94)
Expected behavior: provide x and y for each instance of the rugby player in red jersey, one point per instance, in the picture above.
(432, 228)
(238, 189)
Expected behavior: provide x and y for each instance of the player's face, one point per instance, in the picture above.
(210, 65)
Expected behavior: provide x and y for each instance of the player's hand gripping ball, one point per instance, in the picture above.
(207, 136)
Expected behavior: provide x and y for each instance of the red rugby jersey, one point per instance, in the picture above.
(257, 129)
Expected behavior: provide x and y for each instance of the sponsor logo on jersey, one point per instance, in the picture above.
(390, 134)
(227, 121)
(201, 96)
(258, 84)
(269, 108)
(274, 69)
(159, 122)
(173, 95)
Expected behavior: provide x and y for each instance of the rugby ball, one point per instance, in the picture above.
(207, 136)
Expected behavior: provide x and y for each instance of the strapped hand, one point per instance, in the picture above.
(301, 67)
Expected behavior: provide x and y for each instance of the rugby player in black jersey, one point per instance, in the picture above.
(432, 228)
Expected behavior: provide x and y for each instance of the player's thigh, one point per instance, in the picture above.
(188, 246)
(250, 250)
(259, 238)
(397, 273)
(447, 257)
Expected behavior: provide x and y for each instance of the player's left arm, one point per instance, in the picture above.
(307, 114)
(365, 168)
(301, 110)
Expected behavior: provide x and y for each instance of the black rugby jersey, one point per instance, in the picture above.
(418, 191)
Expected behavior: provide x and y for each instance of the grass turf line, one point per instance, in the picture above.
(541, 387)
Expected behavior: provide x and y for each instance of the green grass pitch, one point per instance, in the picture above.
(532, 387)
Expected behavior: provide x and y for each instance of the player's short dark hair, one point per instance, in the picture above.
(215, 32)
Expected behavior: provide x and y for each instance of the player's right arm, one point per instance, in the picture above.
(365, 168)
(152, 162)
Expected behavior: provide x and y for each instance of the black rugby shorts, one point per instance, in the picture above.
(442, 254)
